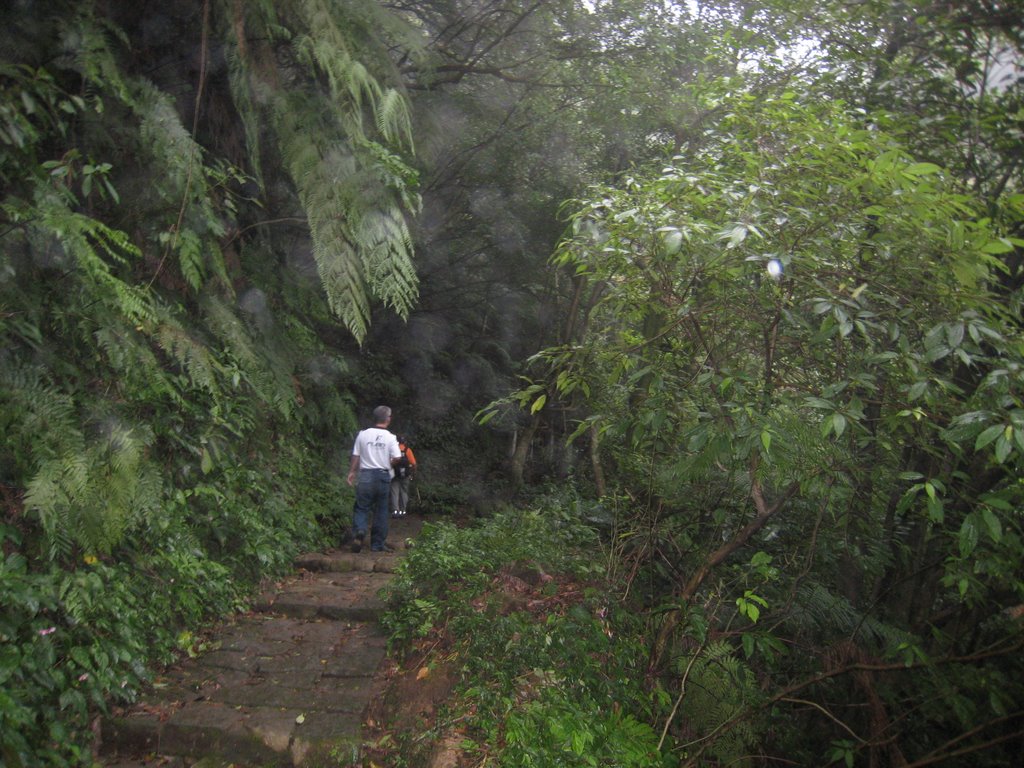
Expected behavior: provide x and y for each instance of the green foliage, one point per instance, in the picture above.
(85, 491)
(565, 728)
(470, 556)
(868, 392)
(720, 692)
(558, 684)
(164, 392)
(77, 640)
(354, 189)
(71, 645)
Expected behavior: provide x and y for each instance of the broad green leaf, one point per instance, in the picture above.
(955, 334)
(1004, 446)
(992, 524)
(917, 389)
(997, 246)
(748, 609)
(936, 510)
(968, 537)
(988, 436)
(760, 558)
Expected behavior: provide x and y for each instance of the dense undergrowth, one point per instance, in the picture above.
(76, 639)
(525, 640)
(549, 665)
(175, 373)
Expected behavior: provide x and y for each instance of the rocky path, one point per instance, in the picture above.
(285, 685)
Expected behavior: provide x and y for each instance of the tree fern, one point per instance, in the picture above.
(354, 192)
(721, 696)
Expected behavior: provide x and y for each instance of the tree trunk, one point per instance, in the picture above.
(595, 461)
(522, 450)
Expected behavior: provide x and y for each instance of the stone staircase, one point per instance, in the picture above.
(285, 685)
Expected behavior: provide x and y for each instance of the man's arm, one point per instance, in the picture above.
(353, 467)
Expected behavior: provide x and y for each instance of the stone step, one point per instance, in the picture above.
(351, 596)
(340, 561)
(277, 691)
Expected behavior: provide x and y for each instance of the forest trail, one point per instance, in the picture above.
(286, 684)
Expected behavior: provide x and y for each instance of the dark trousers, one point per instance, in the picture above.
(372, 491)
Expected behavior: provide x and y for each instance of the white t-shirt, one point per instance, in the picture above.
(375, 448)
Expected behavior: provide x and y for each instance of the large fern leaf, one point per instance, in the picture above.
(355, 193)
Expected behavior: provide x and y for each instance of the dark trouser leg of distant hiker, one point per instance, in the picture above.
(372, 493)
(400, 496)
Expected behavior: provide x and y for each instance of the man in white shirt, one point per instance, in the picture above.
(375, 451)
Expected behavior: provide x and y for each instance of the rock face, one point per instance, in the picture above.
(287, 685)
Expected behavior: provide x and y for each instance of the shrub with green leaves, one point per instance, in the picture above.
(805, 346)
(72, 642)
(552, 679)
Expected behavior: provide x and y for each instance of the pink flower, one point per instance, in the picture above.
(47, 631)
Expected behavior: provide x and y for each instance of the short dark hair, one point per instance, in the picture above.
(381, 414)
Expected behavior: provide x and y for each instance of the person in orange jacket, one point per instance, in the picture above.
(404, 470)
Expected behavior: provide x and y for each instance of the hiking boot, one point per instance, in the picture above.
(357, 542)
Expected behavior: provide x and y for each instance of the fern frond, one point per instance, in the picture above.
(394, 121)
(817, 606)
(245, 102)
(171, 145)
(190, 258)
(35, 408)
(85, 239)
(353, 191)
(829, 615)
(85, 38)
(721, 687)
(327, 46)
(132, 358)
(89, 497)
(193, 356)
(338, 266)
(387, 258)
(271, 380)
